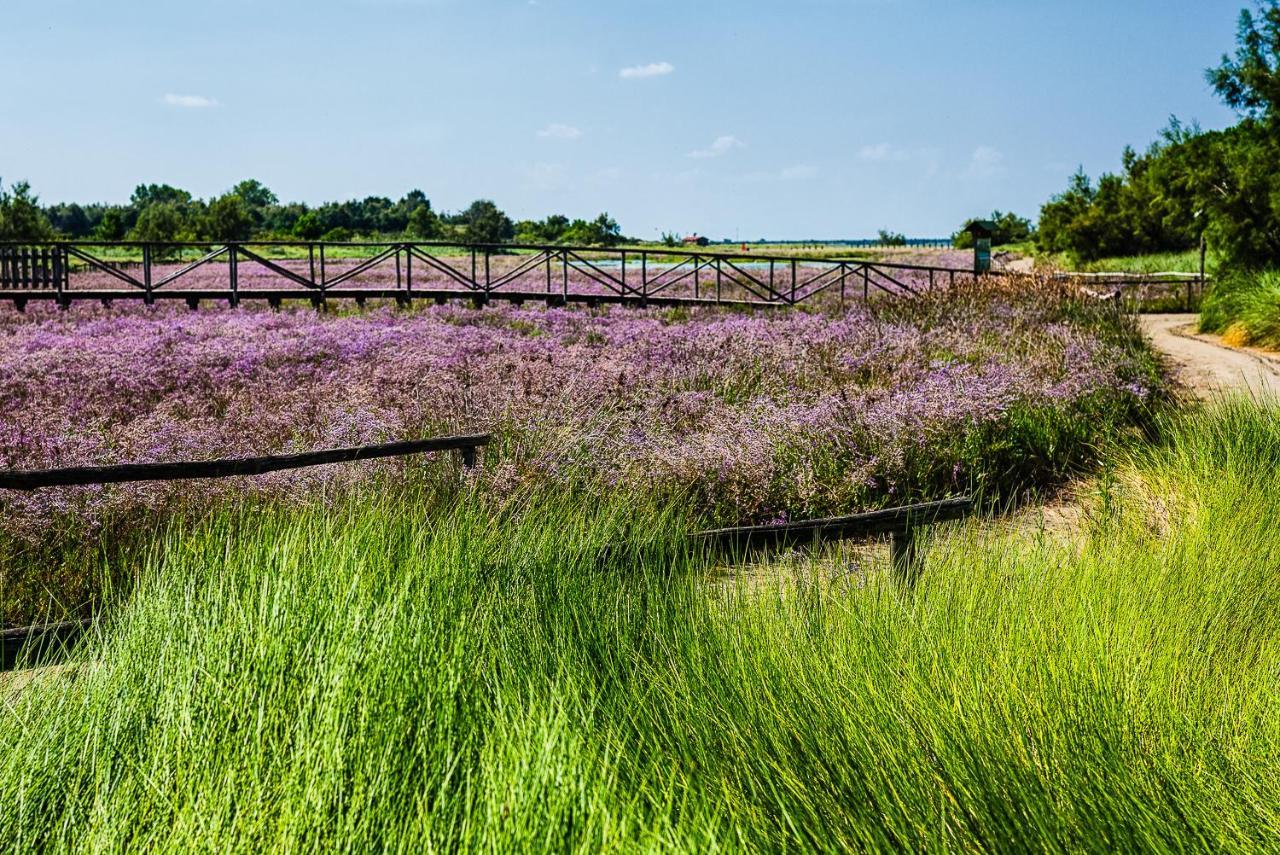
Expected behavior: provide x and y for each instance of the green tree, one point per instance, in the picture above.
(602, 231)
(161, 222)
(1009, 228)
(423, 223)
(229, 218)
(145, 195)
(310, 226)
(485, 223)
(115, 223)
(1250, 82)
(255, 194)
(20, 215)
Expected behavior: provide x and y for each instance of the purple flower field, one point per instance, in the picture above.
(748, 415)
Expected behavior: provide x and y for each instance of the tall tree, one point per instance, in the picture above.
(484, 222)
(1250, 82)
(20, 215)
(229, 218)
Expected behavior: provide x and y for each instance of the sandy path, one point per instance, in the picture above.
(1209, 368)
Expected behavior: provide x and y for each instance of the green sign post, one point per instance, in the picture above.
(982, 231)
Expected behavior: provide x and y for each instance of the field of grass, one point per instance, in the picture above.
(422, 670)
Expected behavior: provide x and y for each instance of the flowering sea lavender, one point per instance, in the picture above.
(750, 415)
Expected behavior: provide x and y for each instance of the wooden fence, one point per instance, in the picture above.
(1137, 292)
(34, 644)
(275, 271)
(33, 479)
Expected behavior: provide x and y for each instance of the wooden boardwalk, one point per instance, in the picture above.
(273, 272)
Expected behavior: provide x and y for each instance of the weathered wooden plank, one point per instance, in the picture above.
(31, 479)
(888, 521)
(35, 644)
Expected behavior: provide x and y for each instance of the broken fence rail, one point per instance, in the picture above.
(32, 479)
(899, 523)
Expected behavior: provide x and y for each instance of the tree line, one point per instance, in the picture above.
(251, 211)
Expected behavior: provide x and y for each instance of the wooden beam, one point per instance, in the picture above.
(894, 521)
(37, 643)
(32, 479)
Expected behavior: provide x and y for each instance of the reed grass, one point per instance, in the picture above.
(426, 672)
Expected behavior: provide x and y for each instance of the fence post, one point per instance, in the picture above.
(64, 274)
(904, 557)
(233, 271)
(146, 273)
(1204, 248)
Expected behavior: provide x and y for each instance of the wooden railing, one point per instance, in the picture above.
(275, 271)
(901, 524)
(33, 479)
(1137, 292)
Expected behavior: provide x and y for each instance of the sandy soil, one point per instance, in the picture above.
(1208, 368)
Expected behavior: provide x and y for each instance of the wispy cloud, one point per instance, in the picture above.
(190, 102)
(652, 69)
(558, 131)
(883, 153)
(986, 162)
(722, 145)
(799, 172)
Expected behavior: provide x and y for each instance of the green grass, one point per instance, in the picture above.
(1164, 262)
(1246, 303)
(423, 671)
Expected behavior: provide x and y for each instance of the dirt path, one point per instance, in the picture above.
(1207, 367)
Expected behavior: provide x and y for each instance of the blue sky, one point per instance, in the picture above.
(809, 118)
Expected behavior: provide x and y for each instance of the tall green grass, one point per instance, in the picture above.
(1186, 261)
(413, 677)
(1248, 302)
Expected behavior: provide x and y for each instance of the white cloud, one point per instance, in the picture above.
(799, 172)
(986, 162)
(652, 69)
(882, 153)
(191, 102)
(558, 131)
(722, 145)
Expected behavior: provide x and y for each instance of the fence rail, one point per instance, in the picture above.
(274, 271)
(34, 479)
(899, 523)
(1144, 291)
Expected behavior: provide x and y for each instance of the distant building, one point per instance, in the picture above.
(696, 240)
